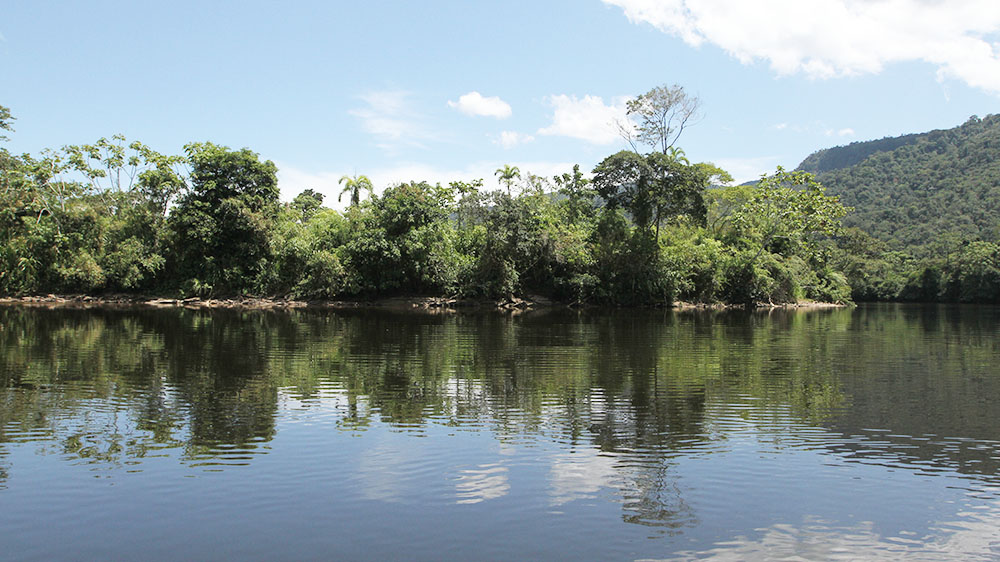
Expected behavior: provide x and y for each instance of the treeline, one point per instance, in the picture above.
(961, 270)
(117, 216)
(829, 159)
(924, 224)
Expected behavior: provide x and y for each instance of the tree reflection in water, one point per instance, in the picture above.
(636, 389)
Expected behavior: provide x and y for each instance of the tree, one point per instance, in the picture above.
(722, 203)
(622, 181)
(404, 241)
(507, 175)
(655, 187)
(355, 186)
(307, 203)
(658, 117)
(785, 211)
(14, 181)
(222, 224)
(116, 165)
(5, 119)
(579, 196)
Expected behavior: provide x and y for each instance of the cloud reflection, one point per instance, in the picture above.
(486, 482)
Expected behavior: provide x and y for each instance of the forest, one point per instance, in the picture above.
(647, 227)
(925, 219)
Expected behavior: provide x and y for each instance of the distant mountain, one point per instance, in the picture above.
(915, 190)
(830, 159)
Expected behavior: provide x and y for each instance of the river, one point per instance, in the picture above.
(159, 434)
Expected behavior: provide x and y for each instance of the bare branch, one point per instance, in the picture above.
(661, 115)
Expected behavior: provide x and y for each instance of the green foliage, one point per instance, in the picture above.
(628, 263)
(974, 276)
(873, 273)
(622, 180)
(970, 273)
(786, 212)
(508, 243)
(643, 232)
(507, 175)
(404, 244)
(5, 119)
(355, 186)
(323, 273)
(221, 225)
(746, 279)
(579, 203)
(307, 203)
(925, 210)
(831, 159)
(655, 187)
(934, 184)
(698, 260)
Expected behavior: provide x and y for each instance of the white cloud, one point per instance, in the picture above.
(292, 181)
(474, 103)
(833, 38)
(848, 132)
(510, 139)
(389, 117)
(586, 118)
(748, 169)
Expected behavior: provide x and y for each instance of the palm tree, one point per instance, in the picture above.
(354, 186)
(675, 153)
(507, 175)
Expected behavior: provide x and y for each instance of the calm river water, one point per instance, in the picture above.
(183, 434)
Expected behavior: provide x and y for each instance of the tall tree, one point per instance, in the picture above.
(658, 117)
(655, 187)
(579, 196)
(355, 186)
(507, 175)
(786, 211)
(307, 203)
(222, 224)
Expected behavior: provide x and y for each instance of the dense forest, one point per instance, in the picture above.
(925, 223)
(647, 228)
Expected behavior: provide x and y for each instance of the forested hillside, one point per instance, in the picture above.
(926, 212)
(916, 190)
(838, 157)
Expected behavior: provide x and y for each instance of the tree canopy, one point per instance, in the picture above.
(658, 117)
(647, 228)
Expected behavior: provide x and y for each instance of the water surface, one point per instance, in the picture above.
(824, 434)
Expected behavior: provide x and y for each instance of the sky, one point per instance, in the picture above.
(452, 90)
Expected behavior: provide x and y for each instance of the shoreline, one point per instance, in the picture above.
(441, 304)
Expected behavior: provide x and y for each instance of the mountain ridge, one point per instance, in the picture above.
(915, 190)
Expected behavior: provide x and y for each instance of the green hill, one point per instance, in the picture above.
(830, 159)
(917, 190)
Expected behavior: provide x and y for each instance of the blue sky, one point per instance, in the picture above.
(446, 90)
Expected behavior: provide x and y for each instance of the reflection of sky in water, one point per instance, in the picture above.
(975, 537)
(580, 474)
(485, 482)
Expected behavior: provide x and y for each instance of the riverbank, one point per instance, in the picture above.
(391, 303)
